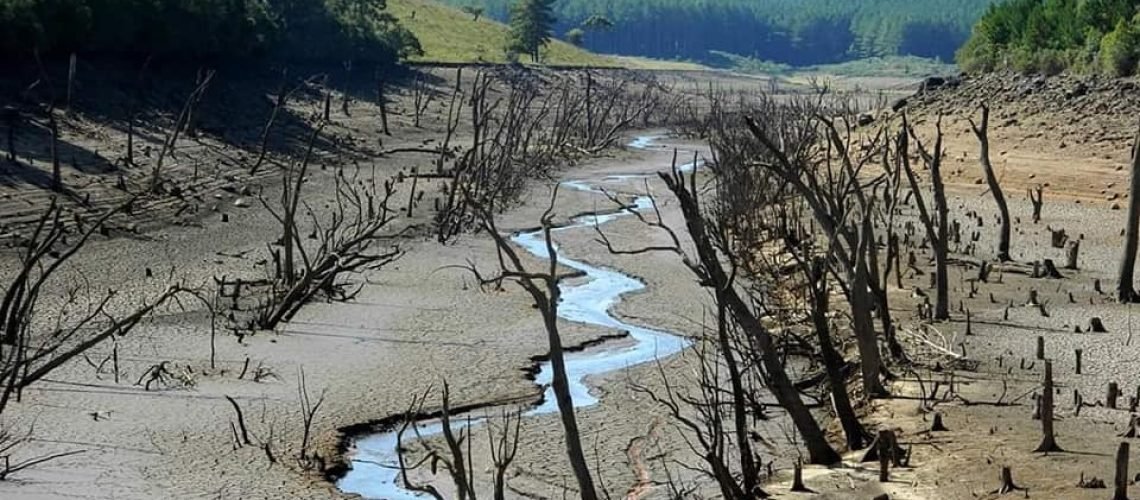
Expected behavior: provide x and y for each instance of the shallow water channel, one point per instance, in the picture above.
(375, 466)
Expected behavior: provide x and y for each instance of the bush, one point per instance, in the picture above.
(1053, 36)
(1118, 50)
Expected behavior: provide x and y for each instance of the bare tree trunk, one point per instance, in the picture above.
(936, 230)
(748, 471)
(832, 359)
(982, 132)
(1121, 480)
(1124, 289)
(942, 303)
(546, 298)
(862, 302)
(382, 102)
(819, 451)
(56, 175)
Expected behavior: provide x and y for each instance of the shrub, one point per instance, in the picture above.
(1118, 50)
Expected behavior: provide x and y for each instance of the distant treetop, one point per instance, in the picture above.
(1054, 35)
(798, 32)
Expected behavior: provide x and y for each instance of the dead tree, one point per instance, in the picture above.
(1125, 291)
(543, 287)
(982, 133)
(832, 359)
(937, 225)
(171, 139)
(278, 105)
(710, 240)
(85, 319)
(829, 199)
(309, 411)
(422, 96)
(359, 219)
(701, 414)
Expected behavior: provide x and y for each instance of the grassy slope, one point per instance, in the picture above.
(450, 35)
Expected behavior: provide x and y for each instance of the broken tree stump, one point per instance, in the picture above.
(1058, 237)
(1072, 251)
(1007, 484)
(1130, 432)
(885, 453)
(1078, 352)
(1110, 397)
(1048, 439)
(1040, 347)
(798, 478)
(1096, 325)
(938, 426)
(1121, 480)
(1037, 199)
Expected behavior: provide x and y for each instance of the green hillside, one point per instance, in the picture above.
(1054, 35)
(447, 34)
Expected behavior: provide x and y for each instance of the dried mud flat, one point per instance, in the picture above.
(421, 322)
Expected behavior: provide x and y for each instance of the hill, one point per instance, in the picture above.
(449, 35)
(795, 32)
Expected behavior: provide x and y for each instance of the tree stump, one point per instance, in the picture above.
(1096, 325)
(1048, 439)
(1072, 251)
(1040, 347)
(1110, 397)
(1007, 484)
(798, 478)
(1121, 481)
(1078, 354)
(885, 452)
(1037, 199)
(1058, 238)
(1049, 270)
(1130, 432)
(938, 426)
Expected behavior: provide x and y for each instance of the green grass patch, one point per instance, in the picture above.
(449, 35)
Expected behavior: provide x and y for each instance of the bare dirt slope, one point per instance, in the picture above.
(1073, 136)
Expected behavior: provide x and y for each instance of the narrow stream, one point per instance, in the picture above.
(375, 470)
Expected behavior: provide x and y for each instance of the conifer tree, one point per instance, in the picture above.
(531, 23)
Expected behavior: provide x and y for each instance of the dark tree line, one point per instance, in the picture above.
(798, 32)
(294, 29)
(1054, 35)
